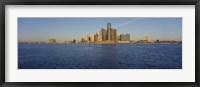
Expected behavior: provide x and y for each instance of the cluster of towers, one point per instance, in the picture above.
(107, 35)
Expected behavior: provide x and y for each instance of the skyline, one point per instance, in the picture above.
(66, 29)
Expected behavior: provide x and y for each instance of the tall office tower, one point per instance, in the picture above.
(95, 37)
(111, 35)
(127, 37)
(109, 31)
(92, 38)
(122, 37)
(87, 38)
(100, 36)
(108, 35)
(115, 34)
(52, 41)
(104, 34)
(147, 38)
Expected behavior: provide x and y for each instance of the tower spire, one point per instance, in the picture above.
(108, 25)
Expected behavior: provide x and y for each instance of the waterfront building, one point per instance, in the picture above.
(52, 41)
(99, 37)
(147, 38)
(82, 40)
(87, 38)
(122, 37)
(115, 34)
(92, 38)
(107, 35)
(95, 37)
(127, 37)
(104, 34)
(111, 35)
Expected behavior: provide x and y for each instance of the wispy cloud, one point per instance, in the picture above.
(127, 22)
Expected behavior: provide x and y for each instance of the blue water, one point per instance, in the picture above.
(98, 56)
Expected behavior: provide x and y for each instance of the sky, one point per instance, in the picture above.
(67, 29)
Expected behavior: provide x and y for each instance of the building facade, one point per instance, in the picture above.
(147, 38)
(122, 37)
(52, 41)
(104, 34)
(127, 37)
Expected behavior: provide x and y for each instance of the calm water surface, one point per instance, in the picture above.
(98, 56)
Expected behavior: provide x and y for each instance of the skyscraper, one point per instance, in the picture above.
(95, 37)
(147, 38)
(115, 34)
(100, 37)
(111, 34)
(109, 31)
(92, 38)
(122, 37)
(87, 38)
(108, 35)
(127, 37)
(104, 34)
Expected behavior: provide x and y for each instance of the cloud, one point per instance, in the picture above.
(127, 22)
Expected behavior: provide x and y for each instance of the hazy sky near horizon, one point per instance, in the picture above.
(65, 29)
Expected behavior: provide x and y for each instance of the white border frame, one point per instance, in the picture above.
(186, 74)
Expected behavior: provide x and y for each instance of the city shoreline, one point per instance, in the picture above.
(100, 43)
